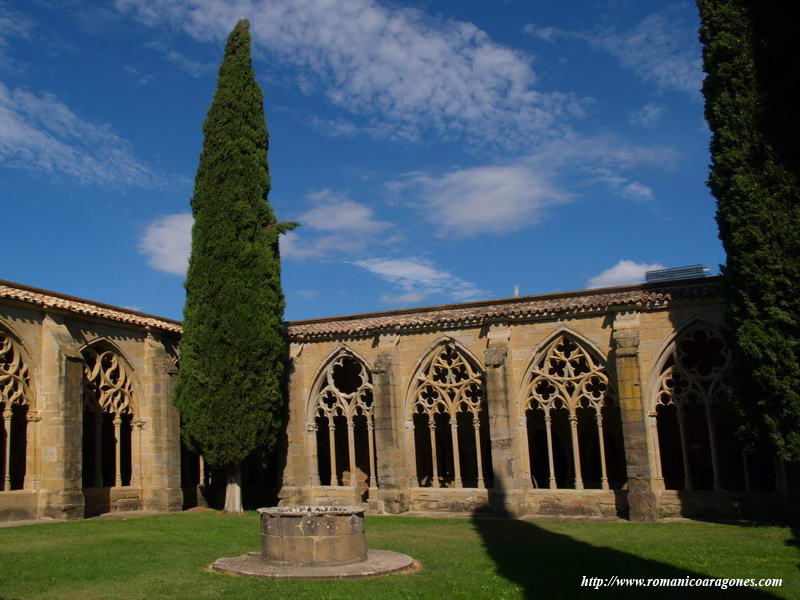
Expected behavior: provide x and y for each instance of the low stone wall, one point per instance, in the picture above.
(573, 503)
(18, 505)
(115, 499)
(424, 499)
(708, 504)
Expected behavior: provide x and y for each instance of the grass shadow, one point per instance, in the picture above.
(546, 564)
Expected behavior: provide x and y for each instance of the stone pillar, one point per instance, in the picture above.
(61, 426)
(642, 500)
(160, 454)
(499, 403)
(300, 473)
(390, 439)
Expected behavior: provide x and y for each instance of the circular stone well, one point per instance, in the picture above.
(314, 541)
(313, 535)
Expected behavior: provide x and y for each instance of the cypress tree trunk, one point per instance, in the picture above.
(230, 388)
(233, 490)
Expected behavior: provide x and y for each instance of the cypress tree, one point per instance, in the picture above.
(230, 389)
(751, 92)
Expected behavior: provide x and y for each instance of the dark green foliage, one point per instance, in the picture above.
(752, 96)
(230, 386)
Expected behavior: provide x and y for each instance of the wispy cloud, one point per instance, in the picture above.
(625, 272)
(334, 224)
(417, 278)
(183, 62)
(13, 24)
(38, 132)
(167, 242)
(647, 116)
(662, 49)
(499, 199)
(403, 70)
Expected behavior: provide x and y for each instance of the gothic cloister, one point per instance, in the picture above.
(600, 403)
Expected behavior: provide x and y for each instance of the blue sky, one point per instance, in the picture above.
(433, 152)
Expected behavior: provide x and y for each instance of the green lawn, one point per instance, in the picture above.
(167, 557)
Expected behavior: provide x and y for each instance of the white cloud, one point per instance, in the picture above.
(625, 272)
(498, 199)
(38, 132)
(405, 71)
(183, 62)
(167, 243)
(647, 116)
(485, 200)
(334, 224)
(662, 49)
(418, 278)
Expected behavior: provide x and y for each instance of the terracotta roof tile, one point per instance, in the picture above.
(53, 300)
(510, 309)
(446, 316)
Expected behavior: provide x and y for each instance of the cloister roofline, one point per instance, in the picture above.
(477, 313)
(71, 304)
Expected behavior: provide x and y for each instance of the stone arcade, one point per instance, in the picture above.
(596, 403)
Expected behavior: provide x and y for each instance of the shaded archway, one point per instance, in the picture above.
(571, 421)
(447, 407)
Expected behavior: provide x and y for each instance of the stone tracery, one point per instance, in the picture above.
(345, 394)
(16, 398)
(107, 402)
(693, 391)
(449, 388)
(565, 380)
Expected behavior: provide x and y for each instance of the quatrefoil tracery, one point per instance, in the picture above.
(566, 375)
(351, 396)
(449, 384)
(15, 378)
(697, 372)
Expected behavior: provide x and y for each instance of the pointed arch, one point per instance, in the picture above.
(447, 398)
(17, 404)
(689, 394)
(109, 409)
(340, 418)
(571, 423)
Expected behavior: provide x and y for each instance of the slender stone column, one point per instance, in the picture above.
(351, 451)
(97, 481)
(117, 451)
(576, 453)
(373, 472)
(712, 443)
(552, 475)
(527, 467)
(434, 461)
(687, 472)
(332, 449)
(7, 414)
(456, 455)
(476, 425)
(602, 445)
(642, 500)
(313, 458)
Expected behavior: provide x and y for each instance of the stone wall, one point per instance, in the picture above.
(50, 331)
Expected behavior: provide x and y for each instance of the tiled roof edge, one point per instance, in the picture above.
(443, 316)
(54, 300)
